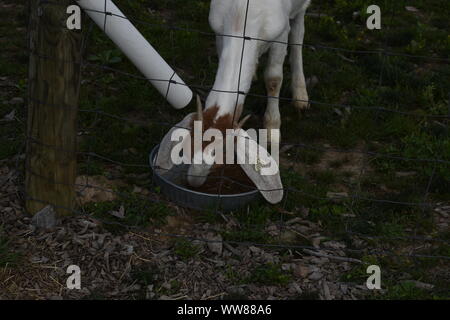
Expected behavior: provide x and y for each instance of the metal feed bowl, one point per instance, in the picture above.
(194, 199)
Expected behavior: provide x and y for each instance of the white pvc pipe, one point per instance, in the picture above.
(120, 30)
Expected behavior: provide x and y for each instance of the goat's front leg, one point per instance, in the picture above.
(273, 77)
(299, 93)
(219, 45)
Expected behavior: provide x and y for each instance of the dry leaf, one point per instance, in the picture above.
(120, 213)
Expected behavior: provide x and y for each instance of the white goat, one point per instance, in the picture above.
(259, 20)
(267, 20)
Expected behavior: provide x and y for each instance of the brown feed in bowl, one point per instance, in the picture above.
(235, 181)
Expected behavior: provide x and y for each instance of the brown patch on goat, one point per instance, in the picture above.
(212, 121)
(273, 86)
(239, 20)
(222, 123)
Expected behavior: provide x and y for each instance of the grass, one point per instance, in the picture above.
(185, 249)
(406, 85)
(13, 66)
(8, 258)
(408, 291)
(138, 211)
(269, 274)
(359, 272)
(144, 276)
(252, 221)
(398, 275)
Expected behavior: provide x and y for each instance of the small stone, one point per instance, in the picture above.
(215, 244)
(10, 116)
(254, 249)
(444, 214)
(129, 249)
(136, 287)
(316, 241)
(301, 271)
(315, 276)
(286, 267)
(421, 285)
(295, 288)
(270, 258)
(288, 236)
(45, 219)
(320, 261)
(334, 245)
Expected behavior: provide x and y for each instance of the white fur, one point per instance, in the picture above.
(268, 20)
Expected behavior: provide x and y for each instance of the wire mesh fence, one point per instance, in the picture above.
(360, 197)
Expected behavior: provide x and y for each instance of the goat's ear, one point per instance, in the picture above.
(265, 174)
(163, 159)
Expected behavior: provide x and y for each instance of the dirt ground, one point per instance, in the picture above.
(148, 263)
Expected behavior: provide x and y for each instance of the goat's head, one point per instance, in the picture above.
(207, 143)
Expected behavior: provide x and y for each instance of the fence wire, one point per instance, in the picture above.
(291, 192)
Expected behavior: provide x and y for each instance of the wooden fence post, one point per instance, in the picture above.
(54, 82)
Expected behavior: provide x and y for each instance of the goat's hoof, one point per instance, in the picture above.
(302, 105)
